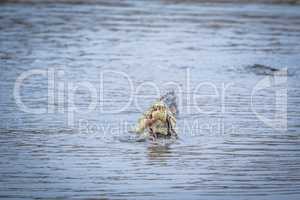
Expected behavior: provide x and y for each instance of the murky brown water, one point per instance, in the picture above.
(224, 150)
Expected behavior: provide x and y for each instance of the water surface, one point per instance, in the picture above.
(224, 151)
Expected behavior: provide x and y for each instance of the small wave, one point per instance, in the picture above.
(260, 69)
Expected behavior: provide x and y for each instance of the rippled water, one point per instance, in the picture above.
(224, 150)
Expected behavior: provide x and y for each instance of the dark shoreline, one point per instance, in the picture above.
(167, 1)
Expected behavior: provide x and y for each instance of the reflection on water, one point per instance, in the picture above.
(224, 150)
(159, 152)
